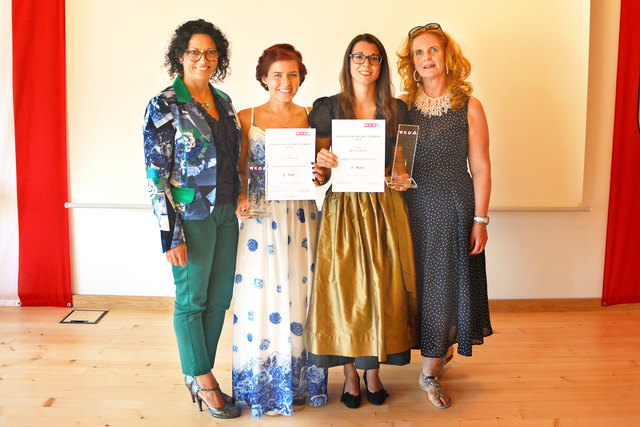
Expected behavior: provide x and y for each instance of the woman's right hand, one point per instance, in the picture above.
(326, 159)
(177, 255)
(319, 177)
(242, 211)
(403, 181)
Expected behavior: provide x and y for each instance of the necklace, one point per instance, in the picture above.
(284, 125)
(204, 104)
(433, 106)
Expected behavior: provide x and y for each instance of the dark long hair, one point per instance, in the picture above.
(385, 102)
(180, 42)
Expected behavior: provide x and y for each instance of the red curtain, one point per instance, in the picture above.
(39, 99)
(621, 273)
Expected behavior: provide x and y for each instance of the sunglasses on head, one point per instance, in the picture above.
(433, 26)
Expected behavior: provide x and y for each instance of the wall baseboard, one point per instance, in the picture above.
(495, 306)
(554, 305)
(9, 303)
(106, 302)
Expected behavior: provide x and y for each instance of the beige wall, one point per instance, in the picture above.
(561, 255)
(532, 83)
(530, 255)
(8, 191)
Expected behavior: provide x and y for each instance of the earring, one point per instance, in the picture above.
(417, 79)
(446, 68)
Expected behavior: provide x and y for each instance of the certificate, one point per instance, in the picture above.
(359, 145)
(289, 154)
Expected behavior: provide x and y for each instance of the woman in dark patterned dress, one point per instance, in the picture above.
(448, 210)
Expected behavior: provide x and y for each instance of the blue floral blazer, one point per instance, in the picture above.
(180, 157)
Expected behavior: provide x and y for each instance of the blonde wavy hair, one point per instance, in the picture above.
(459, 69)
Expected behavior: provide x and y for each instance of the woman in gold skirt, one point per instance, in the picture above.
(363, 306)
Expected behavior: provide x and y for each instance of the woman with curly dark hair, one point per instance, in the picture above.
(191, 143)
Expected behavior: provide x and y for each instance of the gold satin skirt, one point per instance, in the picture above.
(363, 300)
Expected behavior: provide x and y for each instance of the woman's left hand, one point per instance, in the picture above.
(478, 238)
(326, 159)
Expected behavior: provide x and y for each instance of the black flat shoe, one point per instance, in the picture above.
(378, 397)
(349, 400)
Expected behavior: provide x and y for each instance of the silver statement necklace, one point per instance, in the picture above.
(433, 106)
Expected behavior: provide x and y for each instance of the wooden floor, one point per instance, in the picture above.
(541, 367)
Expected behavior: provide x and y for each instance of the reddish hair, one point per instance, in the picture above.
(278, 52)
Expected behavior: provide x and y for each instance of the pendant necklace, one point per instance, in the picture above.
(204, 104)
(284, 125)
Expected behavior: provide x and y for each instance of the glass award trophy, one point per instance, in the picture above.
(256, 190)
(403, 156)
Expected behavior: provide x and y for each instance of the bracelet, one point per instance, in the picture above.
(484, 220)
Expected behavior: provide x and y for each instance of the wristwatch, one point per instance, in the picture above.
(484, 220)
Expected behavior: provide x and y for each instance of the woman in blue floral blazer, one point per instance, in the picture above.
(191, 144)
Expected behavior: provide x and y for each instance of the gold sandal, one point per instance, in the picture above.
(442, 363)
(424, 382)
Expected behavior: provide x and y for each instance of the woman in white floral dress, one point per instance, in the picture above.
(275, 261)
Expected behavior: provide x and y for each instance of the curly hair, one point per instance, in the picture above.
(385, 102)
(458, 67)
(180, 42)
(278, 52)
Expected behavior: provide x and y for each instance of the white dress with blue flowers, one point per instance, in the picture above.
(274, 272)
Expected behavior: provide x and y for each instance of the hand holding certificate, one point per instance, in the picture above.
(359, 145)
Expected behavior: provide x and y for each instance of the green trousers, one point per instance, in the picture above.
(204, 288)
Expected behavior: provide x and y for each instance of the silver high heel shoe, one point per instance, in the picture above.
(424, 382)
(188, 382)
(229, 410)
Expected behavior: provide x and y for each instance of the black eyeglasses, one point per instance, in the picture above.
(359, 58)
(195, 55)
(433, 26)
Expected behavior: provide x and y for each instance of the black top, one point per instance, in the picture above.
(227, 157)
(327, 108)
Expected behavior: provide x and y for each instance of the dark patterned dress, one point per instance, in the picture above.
(452, 285)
